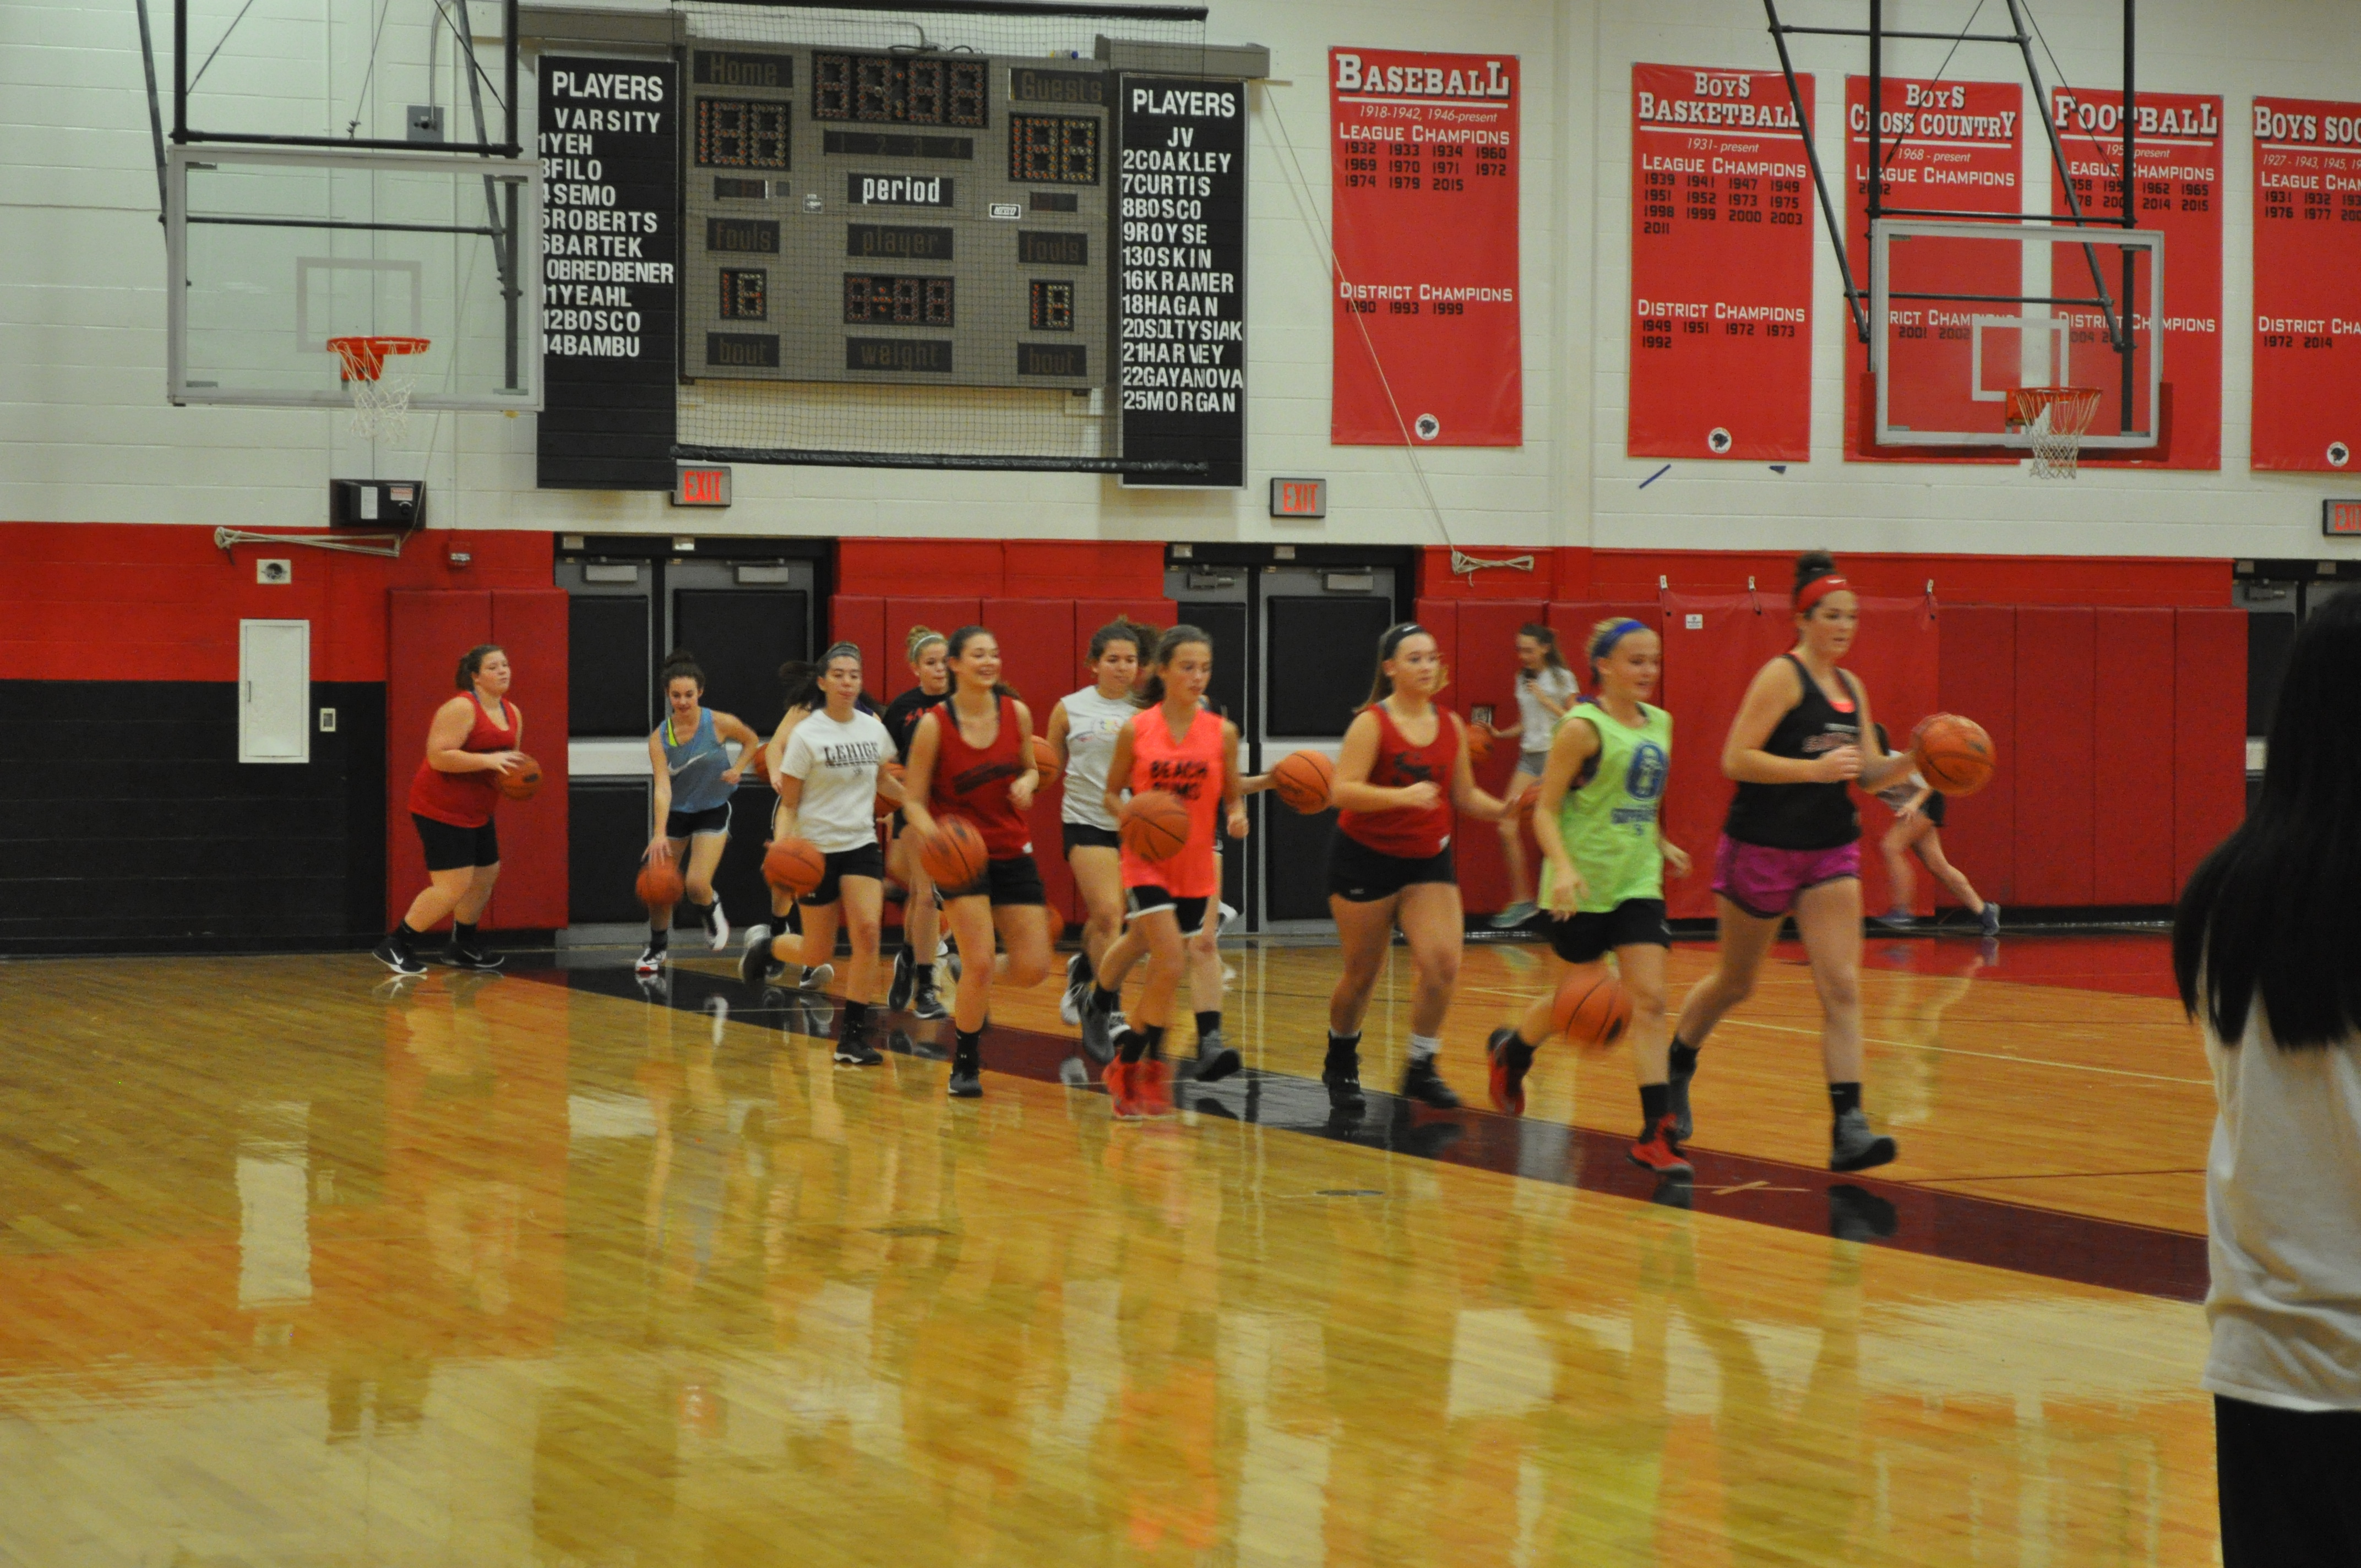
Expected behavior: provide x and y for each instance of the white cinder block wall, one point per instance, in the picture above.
(85, 434)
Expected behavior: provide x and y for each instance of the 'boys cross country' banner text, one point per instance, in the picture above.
(1721, 266)
(1425, 174)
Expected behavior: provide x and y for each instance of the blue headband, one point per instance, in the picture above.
(1604, 643)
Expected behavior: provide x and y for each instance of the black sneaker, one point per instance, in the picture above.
(399, 961)
(1422, 1083)
(814, 977)
(755, 964)
(1341, 1074)
(926, 1002)
(967, 1075)
(905, 975)
(1852, 1146)
(1676, 1099)
(853, 1049)
(1099, 1030)
(652, 960)
(1214, 1059)
(459, 956)
(1078, 988)
(1511, 1060)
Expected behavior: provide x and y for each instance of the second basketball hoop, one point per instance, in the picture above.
(380, 402)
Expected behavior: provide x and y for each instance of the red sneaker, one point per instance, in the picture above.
(1151, 1086)
(1120, 1092)
(1660, 1151)
(1510, 1062)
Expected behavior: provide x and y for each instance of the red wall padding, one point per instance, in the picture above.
(2132, 734)
(1979, 681)
(2056, 665)
(860, 620)
(427, 629)
(2209, 732)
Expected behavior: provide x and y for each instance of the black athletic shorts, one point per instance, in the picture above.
(868, 861)
(1015, 880)
(695, 824)
(450, 849)
(1359, 874)
(1585, 938)
(1148, 897)
(1934, 809)
(1082, 836)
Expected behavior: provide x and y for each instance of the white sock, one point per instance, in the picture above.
(1423, 1047)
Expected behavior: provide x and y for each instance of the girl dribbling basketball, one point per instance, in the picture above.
(1401, 769)
(694, 781)
(1791, 844)
(1081, 736)
(471, 744)
(1918, 810)
(1181, 748)
(1603, 881)
(970, 758)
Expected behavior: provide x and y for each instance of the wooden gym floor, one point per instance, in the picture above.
(547, 1269)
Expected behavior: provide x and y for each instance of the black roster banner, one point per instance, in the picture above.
(1180, 231)
(610, 159)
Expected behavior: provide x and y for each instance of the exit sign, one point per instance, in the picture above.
(2339, 519)
(700, 486)
(1299, 497)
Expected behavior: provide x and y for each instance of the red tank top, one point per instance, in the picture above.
(464, 800)
(1413, 835)
(972, 782)
(1192, 769)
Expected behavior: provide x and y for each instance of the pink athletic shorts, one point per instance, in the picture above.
(1764, 881)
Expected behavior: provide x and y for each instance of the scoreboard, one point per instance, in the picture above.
(856, 216)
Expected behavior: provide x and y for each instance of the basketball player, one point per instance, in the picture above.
(1181, 748)
(1919, 808)
(801, 680)
(1081, 736)
(914, 983)
(694, 780)
(1546, 689)
(1605, 853)
(1402, 768)
(1791, 844)
(830, 785)
(471, 745)
(970, 758)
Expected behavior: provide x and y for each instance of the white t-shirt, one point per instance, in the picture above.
(2283, 1214)
(837, 764)
(1539, 722)
(1092, 723)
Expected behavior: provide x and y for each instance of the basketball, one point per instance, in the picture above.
(1520, 810)
(1157, 825)
(523, 781)
(1479, 746)
(1592, 1009)
(1953, 753)
(1303, 779)
(1045, 759)
(953, 853)
(660, 886)
(887, 770)
(794, 866)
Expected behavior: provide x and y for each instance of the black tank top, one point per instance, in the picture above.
(1802, 815)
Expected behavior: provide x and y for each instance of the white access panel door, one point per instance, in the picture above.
(274, 691)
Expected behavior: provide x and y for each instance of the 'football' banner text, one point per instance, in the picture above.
(1424, 169)
(2307, 400)
(1721, 266)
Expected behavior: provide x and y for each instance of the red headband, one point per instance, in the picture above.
(1816, 590)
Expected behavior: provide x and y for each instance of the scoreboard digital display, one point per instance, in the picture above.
(896, 219)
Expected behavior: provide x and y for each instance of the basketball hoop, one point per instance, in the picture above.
(380, 402)
(2053, 420)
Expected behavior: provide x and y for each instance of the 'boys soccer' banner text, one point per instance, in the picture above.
(2307, 407)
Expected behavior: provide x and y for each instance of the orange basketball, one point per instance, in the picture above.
(1045, 759)
(1479, 746)
(1157, 825)
(889, 770)
(1521, 809)
(1953, 753)
(521, 782)
(1592, 1009)
(660, 886)
(1303, 779)
(953, 853)
(794, 866)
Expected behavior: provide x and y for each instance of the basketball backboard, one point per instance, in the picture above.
(275, 250)
(1965, 312)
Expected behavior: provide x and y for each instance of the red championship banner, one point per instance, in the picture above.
(2177, 145)
(1424, 175)
(2307, 407)
(1954, 147)
(1722, 267)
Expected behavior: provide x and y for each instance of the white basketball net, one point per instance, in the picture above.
(381, 401)
(2055, 420)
